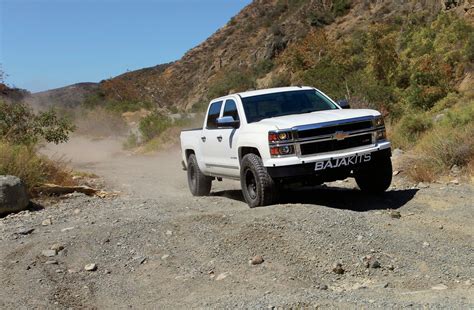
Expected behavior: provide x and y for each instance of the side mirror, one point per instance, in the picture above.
(228, 122)
(343, 103)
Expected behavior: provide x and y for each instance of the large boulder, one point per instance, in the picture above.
(13, 195)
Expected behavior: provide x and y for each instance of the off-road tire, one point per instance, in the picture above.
(376, 176)
(199, 184)
(258, 187)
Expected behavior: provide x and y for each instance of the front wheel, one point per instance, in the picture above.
(258, 186)
(376, 177)
(199, 184)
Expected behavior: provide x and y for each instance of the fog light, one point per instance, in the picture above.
(282, 150)
(285, 150)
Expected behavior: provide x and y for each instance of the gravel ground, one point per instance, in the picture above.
(155, 246)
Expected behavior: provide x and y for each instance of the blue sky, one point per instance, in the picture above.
(46, 44)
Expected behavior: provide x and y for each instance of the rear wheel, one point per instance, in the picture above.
(199, 184)
(376, 177)
(258, 187)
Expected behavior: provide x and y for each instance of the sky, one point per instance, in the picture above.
(46, 44)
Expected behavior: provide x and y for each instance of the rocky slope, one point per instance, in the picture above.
(261, 31)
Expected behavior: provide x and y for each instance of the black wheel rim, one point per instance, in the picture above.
(251, 184)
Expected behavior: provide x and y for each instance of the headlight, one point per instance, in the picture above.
(381, 135)
(283, 136)
(378, 121)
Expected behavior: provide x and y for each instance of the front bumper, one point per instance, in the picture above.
(296, 167)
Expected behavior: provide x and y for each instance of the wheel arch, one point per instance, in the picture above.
(244, 150)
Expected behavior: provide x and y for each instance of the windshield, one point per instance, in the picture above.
(285, 103)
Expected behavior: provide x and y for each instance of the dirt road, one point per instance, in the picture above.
(155, 246)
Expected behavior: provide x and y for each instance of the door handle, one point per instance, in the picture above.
(203, 139)
(219, 138)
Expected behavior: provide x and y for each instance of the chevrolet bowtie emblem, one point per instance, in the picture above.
(340, 135)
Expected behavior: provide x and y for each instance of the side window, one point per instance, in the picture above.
(230, 109)
(213, 115)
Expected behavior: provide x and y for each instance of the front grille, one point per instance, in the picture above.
(335, 145)
(332, 129)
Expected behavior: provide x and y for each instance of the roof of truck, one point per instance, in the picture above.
(267, 91)
(272, 91)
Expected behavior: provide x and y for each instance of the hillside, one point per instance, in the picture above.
(246, 51)
(67, 97)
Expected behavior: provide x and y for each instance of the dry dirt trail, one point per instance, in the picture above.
(155, 246)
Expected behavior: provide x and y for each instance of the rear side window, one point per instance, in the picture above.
(213, 115)
(230, 109)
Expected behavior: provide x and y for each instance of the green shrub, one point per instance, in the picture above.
(234, 80)
(263, 67)
(341, 7)
(131, 142)
(153, 125)
(20, 125)
(409, 129)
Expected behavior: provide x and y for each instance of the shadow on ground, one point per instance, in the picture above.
(338, 198)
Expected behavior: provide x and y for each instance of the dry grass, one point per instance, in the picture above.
(33, 169)
(442, 148)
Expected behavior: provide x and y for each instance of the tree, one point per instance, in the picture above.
(20, 125)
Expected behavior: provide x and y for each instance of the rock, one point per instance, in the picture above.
(441, 227)
(397, 152)
(396, 172)
(323, 287)
(394, 214)
(438, 118)
(49, 253)
(439, 287)
(90, 267)
(257, 260)
(422, 185)
(13, 195)
(391, 267)
(57, 247)
(25, 231)
(426, 244)
(51, 262)
(47, 222)
(455, 170)
(169, 233)
(164, 257)
(67, 229)
(375, 264)
(455, 182)
(337, 269)
(222, 276)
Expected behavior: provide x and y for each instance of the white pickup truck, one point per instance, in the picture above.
(293, 135)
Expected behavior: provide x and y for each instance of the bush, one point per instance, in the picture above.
(340, 7)
(19, 125)
(234, 80)
(263, 67)
(409, 129)
(153, 125)
(131, 142)
(23, 161)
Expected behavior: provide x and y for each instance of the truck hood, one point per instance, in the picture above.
(289, 121)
